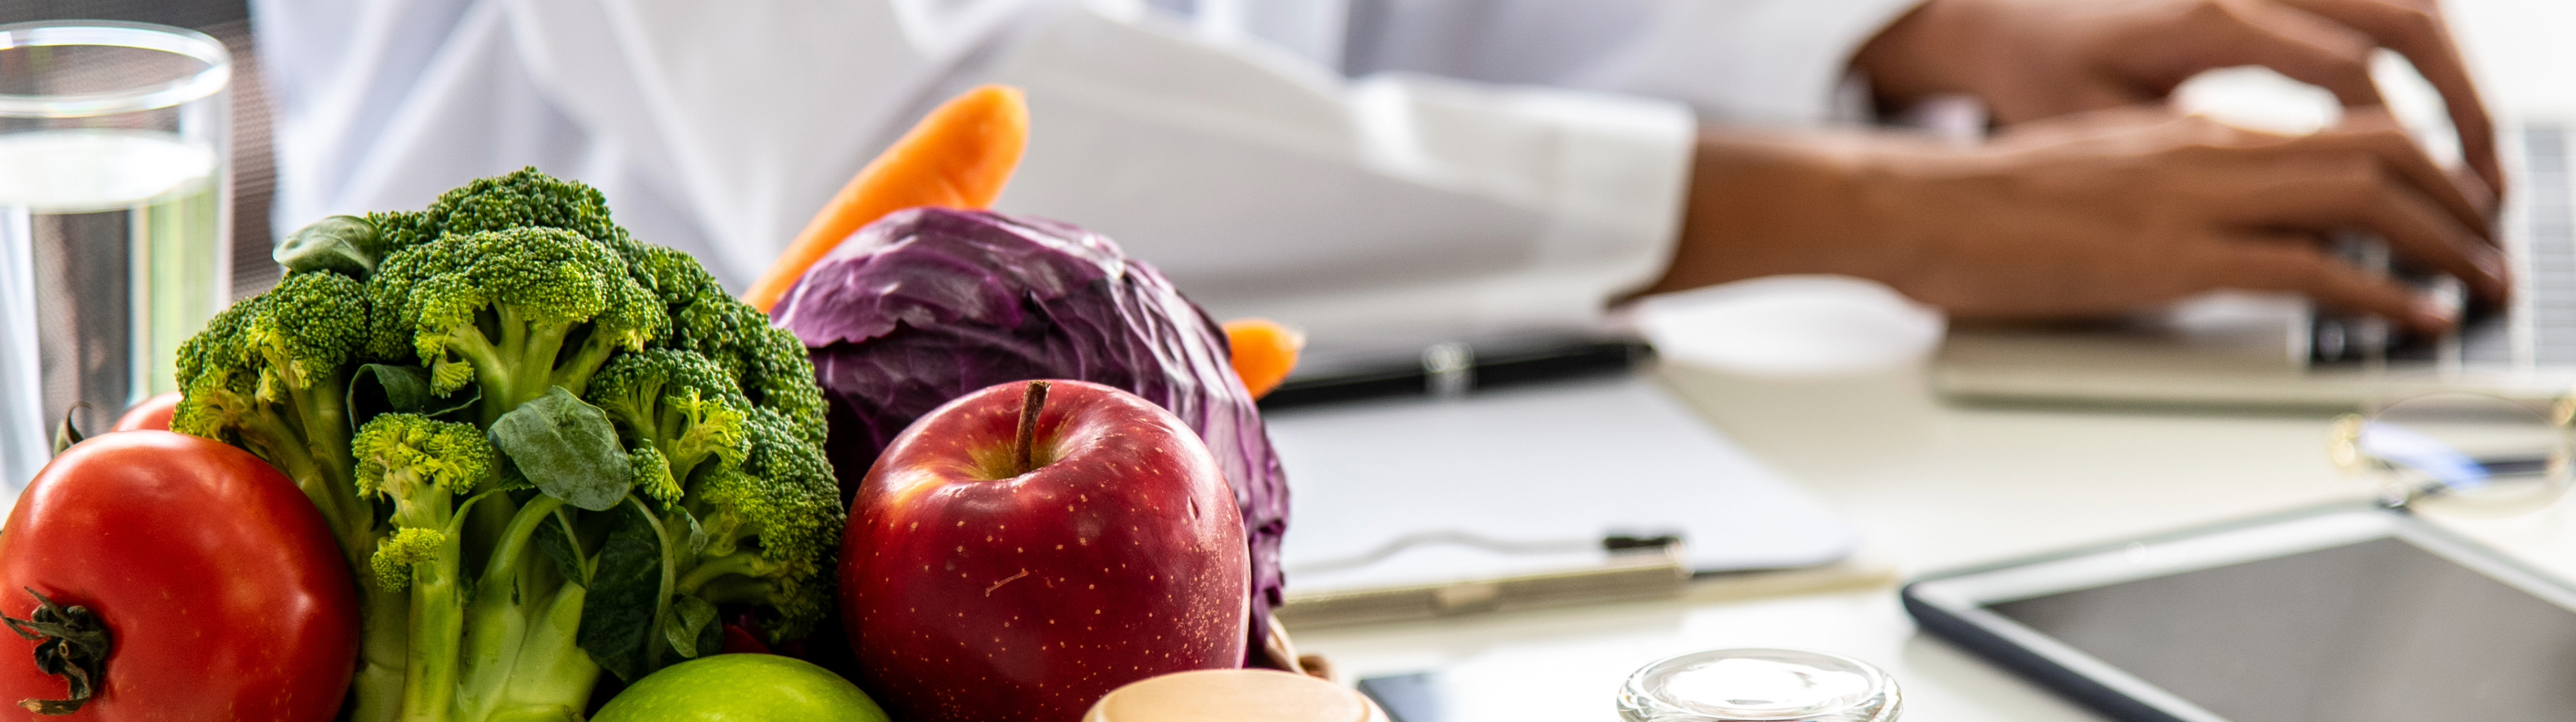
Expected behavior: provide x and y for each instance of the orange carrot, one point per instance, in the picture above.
(959, 156)
(1264, 352)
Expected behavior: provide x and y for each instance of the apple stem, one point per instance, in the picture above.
(1035, 400)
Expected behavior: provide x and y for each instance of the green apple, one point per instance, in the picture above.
(742, 688)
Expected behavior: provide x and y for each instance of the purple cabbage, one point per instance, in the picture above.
(929, 304)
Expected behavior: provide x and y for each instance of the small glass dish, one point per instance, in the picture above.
(1759, 685)
(2460, 452)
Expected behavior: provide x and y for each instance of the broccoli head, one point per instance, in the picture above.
(516, 311)
(523, 540)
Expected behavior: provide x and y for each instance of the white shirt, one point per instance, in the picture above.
(1497, 167)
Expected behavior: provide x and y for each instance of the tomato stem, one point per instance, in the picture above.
(75, 648)
(67, 434)
(1035, 401)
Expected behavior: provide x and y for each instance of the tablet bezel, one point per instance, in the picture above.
(1955, 604)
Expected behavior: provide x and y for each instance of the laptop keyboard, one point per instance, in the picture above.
(2549, 238)
(2542, 233)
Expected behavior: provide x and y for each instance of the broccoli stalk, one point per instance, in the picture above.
(520, 656)
(421, 465)
(517, 540)
(509, 648)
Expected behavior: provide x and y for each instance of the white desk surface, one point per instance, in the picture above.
(1930, 486)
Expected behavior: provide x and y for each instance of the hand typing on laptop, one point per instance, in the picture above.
(2090, 204)
(2033, 59)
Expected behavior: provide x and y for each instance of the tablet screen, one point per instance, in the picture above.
(2378, 631)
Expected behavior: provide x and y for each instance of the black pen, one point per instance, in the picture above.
(1457, 368)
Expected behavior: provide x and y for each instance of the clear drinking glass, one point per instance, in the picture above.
(114, 219)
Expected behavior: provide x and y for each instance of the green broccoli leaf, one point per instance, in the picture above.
(691, 627)
(347, 244)
(567, 448)
(559, 546)
(617, 620)
(388, 389)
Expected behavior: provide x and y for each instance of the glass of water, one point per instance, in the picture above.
(114, 216)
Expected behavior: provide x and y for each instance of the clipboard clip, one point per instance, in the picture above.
(1639, 566)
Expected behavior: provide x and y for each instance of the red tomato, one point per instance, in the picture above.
(151, 413)
(223, 594)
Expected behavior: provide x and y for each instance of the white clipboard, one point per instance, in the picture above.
(1472, 500)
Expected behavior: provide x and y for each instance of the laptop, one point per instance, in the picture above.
(2236, 350)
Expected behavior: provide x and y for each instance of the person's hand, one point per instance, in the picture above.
(2088, 216)
(2031, 59)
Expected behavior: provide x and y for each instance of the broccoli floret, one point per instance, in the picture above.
(674, 276)
(421, 465)
(516, 311)
(771, 512)
(526, 198)
(220, 385)
(763, 496)
(399, 554)
(653, 474)
(772, 525)
(776, 374)
(271, 375)
(397, 230)
(676, 406)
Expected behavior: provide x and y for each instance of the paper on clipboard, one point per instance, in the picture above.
(1525, 483)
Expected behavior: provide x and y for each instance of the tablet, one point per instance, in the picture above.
(2345, 614)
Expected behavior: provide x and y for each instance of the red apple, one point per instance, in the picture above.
(1025, 549)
